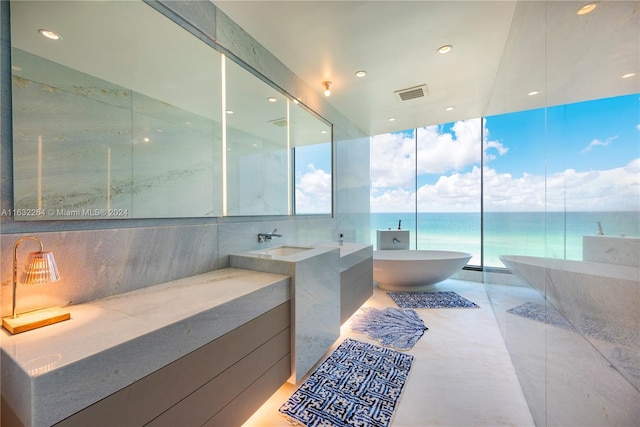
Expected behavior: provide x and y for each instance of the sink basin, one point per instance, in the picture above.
(282, 251)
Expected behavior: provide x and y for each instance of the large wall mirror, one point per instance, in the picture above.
(123, 118)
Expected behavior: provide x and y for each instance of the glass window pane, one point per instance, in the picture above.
(448, 179)
(513, 186)
(393, 182)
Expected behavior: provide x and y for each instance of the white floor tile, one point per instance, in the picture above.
(462, 374)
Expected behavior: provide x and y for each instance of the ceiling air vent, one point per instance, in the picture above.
(412, 92)
(279, 122)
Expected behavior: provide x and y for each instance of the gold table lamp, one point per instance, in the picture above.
(39, 269)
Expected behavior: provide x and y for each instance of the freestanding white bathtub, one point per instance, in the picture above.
(409, 270)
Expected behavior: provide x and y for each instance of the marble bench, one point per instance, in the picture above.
(151, 355)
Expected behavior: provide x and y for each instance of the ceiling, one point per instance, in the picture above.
(502, 50)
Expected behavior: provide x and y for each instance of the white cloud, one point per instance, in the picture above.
(313, 191)
(393, 200)
(612, 189)
(598, 143)
(393, 162)
(458, 189)
(446, 152)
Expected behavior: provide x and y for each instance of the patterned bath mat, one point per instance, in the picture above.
(358, 385)
(588, 326)
(538, 312)
(430, 300)
(395, 327)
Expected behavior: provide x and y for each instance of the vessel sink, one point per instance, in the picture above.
(282, 251)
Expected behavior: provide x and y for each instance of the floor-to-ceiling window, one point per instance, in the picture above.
(557, 189)
(547, 178)
(393, 183)
(567, 171)
(448, 194)
(563, 207)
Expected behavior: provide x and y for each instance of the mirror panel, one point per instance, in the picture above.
(176, 162)
(123, 118)
(257, 153)
(312, 152)
(71, 141)
(118, 119)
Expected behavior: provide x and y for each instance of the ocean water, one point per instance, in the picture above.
(551, 234)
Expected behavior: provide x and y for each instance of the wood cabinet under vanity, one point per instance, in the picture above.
(204, 350)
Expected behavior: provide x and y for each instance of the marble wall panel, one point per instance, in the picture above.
(611, 250)
(99, 263)
(316, 310)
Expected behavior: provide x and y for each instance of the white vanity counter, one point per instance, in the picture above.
(351, 254)
(53, 372)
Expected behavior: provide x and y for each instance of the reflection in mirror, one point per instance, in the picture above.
(311, 143)
(257, 150)
(129, 125)
(124, 126)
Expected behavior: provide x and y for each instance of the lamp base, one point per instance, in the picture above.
(35, 319)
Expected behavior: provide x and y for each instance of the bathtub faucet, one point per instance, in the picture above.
(396, 241)
(266, 237)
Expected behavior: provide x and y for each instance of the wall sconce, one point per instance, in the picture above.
(39, 269)
(327, 91)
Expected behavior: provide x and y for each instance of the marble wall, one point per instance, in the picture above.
(105, 257)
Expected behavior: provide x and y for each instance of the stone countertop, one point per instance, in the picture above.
(53, 372)
(350, 253)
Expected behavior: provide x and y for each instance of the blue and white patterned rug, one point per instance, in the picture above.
(395, 327)
(359, 384)
(589, 326)
(538, 312)
(427, 299)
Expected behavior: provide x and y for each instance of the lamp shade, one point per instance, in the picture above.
(39, 269)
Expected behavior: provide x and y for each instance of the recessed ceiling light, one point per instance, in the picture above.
(49, 34)
(229, 112)
(323, 131)
(449, 108)
(146, 139)
(533, 92)
(392, 119)
(361, 73)
(587, 8)
(626, 76)
(271, 99)
(445, 49)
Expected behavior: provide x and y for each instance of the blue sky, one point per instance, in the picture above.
(313, 178)
(583, 156)
(588, 135)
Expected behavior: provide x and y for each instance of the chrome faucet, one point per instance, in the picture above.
(266, 237)
(396, 241)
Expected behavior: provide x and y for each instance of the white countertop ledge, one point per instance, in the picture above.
(53, 372)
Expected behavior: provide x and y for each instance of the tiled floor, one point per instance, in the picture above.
(462, 374)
